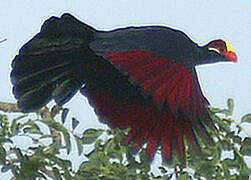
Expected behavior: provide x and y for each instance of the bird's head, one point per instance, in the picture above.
(223, 48)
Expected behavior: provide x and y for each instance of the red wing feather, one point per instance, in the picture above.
(156, 75)
(166, 139)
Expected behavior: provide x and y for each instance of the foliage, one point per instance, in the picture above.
(110, 159)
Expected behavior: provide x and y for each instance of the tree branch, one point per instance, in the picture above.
(3, 40)
(13, 107)
(9, 107)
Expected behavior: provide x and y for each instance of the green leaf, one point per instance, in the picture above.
(112, 149)
(18, 153)
(88, 155)
(163, 170)
(90, 135)
(2, 155)
(55, 110)
(227, 112)
(230, 163)
(57, 173)
(144, 160)
(38, 174)
(230, 105)
(6, 140)
(222, 125)
(46, 136)
(64, 115)
(237, 139)
(79, 144)
(67, 141)
(245, 173)
(66, 164)
(230, 134)
(184, 176)
(14, 127)
(223, 144)
(75, 123)
(246, 118)
(246, 147)
(33, 129)
(51, 123)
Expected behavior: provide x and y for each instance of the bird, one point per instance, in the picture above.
(138, 77)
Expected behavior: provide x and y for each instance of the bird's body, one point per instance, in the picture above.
(141, 78)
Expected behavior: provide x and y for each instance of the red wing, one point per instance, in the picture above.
(165, 80)
(174, 89)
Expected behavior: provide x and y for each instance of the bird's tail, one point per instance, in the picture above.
(53, 64)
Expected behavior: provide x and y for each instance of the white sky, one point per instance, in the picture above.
(203, 21)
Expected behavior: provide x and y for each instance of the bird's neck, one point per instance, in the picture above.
(208, 57)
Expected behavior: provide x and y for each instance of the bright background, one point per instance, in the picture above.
(202, 21)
